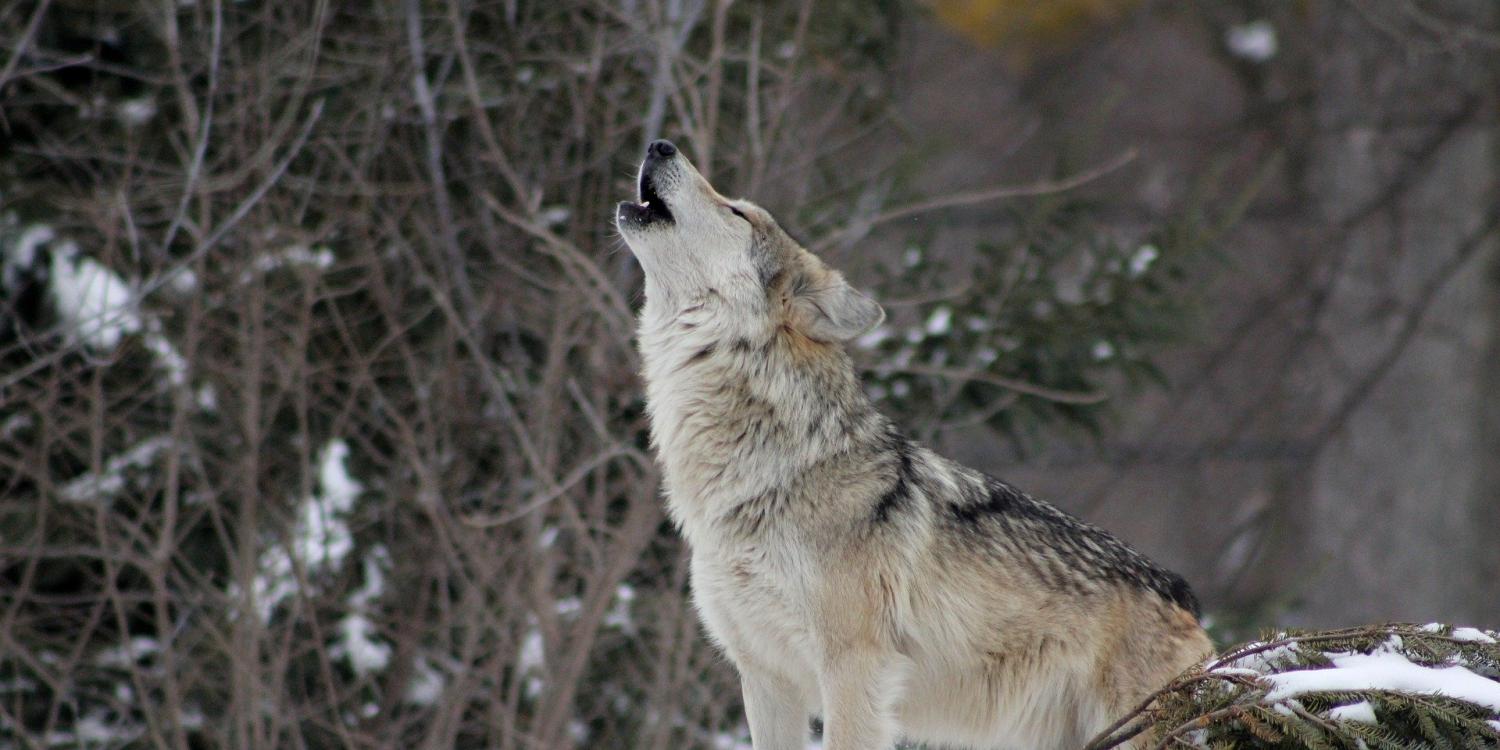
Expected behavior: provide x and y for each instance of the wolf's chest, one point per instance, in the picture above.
(754, 606)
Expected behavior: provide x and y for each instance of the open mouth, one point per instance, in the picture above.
(655, 209)
(651, 208)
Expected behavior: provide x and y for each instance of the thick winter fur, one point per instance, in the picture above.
(848, 572)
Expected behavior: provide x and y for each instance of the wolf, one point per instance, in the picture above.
(848, 572)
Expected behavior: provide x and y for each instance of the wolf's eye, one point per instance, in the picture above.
(735, 211)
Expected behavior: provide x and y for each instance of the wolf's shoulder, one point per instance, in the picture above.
(987, 511)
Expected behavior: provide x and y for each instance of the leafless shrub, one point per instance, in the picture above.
(339, 441)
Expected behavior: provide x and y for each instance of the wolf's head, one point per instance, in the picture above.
(694, 243)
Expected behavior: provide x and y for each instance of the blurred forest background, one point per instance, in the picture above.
(319, 423)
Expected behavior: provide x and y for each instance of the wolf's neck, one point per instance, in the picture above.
(739, 410)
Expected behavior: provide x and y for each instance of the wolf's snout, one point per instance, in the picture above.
(655, 176)
(660, 149)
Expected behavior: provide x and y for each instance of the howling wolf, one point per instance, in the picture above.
(849, 572)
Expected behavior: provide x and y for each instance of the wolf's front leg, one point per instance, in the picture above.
(778, 720)
(860, 689)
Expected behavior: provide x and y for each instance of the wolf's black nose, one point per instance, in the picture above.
(661, 149)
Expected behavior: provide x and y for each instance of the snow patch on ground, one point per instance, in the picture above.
(940, 322)
(94, 730)
(357, 639)
(102, 486)
(128, 654)
(321, 538)
(359, 644)
(618, 615)
(138, 111)
(1254, 41)
(318, 258)
(98, 306)
(426, 684)
(1141, 261)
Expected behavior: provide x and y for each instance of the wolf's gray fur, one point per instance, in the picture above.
(847, 571)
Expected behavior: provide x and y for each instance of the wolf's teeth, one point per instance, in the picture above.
(645, 204)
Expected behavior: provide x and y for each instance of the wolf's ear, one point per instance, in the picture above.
(830, 310)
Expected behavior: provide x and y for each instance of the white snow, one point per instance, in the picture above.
(323, 537)
(1473, 635)
(530, 661)
(940, 322)
(569, 606)
(618, 615)
(1386, 671)
(357, 643)
(1254, 41)
(167, 356)
(14, 424)
(578, 732)
(531, 656)
(184, 281)
(1361, 712)
(92, 730)
(192, 716)
(873, 338)
(1141, 261)
(320, 538)
(128, 653)
(138, 111)
(97, 304)
(320, 258)
(110, 481)
(1268, 660)
(547, 538)
(426, 685)
(98, 307)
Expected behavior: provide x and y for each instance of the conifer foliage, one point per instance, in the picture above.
(1380, 687)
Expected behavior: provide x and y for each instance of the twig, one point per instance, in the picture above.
(240, 210)
(200, 149)
(1043, 187)
(26, 36)
(422, 90)
(1020, 386)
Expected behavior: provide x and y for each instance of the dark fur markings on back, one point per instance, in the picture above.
(1063, 552)
(900, 493)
